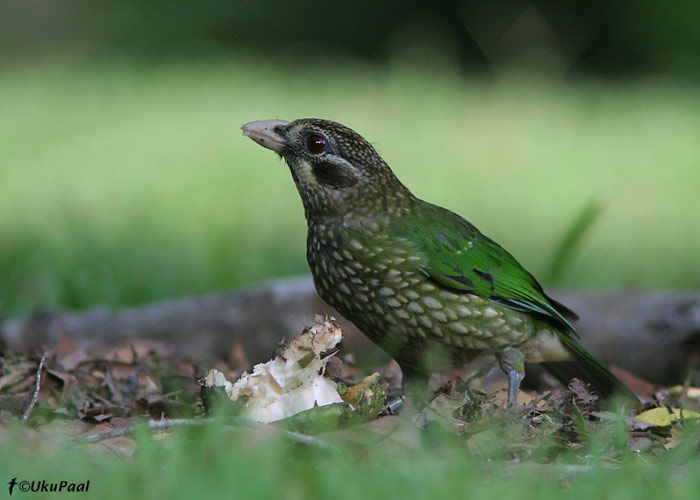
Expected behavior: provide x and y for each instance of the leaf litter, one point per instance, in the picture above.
(100, 399)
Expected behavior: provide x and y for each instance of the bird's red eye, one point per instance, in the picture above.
(315, 143)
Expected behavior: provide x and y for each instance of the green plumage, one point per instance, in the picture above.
(420, 281)
(458, 256)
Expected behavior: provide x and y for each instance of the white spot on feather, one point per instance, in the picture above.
(393, 302)
(415, 307)
(490, 312)
(432, 303)
(458, 328)
(356, 244)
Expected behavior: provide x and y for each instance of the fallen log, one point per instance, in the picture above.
(655, 335)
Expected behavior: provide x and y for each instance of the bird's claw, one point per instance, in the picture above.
(515, 377)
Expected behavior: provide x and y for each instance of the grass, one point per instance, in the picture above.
(211, 463)
(126, 183)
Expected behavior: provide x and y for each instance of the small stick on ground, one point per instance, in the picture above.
(158, 425)
(153, 425)
(37, 386)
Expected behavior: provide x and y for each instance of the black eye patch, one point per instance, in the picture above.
(334, 175)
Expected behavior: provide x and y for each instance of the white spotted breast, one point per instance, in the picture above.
(376, 282)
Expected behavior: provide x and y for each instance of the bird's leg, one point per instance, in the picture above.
(512, 362)
(414, 382)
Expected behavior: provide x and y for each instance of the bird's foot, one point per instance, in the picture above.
(512, 362)
(515, 377)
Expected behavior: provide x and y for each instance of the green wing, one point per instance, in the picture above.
(458, 256)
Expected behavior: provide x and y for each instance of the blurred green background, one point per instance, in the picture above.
(124, 177)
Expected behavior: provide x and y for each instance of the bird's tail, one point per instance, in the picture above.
(588, 368)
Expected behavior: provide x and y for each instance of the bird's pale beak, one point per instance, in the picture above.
(264, 133)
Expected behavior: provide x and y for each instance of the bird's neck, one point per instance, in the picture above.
(385, 197)
(363, 207)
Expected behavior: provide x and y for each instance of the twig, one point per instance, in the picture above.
(298, 437)
(158, 425)
(152, 425)
(684, 391)
(647, 434)
(562, 469)
(37, 386)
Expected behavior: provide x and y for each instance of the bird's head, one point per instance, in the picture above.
(336, 171)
